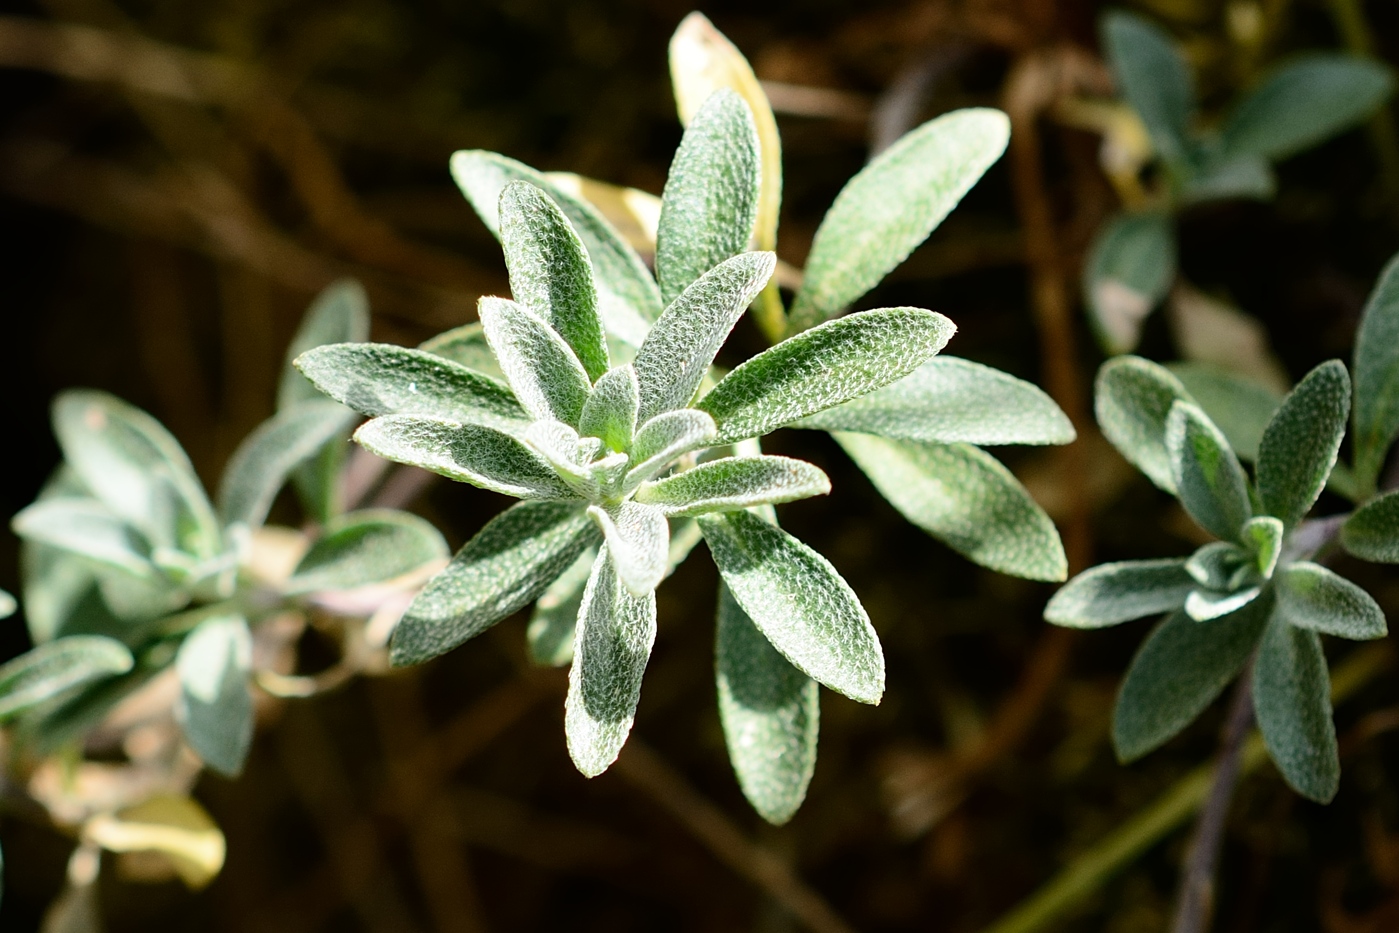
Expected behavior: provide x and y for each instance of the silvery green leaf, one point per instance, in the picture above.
(638, 540)
(1204, 605)
(367, 547)
(1307, 101)
(507, 565)
(381, 379)
(1111, 593)
(570, 456)
(673, 361)
(612, 644)
(628, 298)
(542, 369)
(340, 314)
(467, 453)
(1221, 175)
(734, 483)
(550, 273)
(56, 667)
(127, 459)
(710, 201)
(798, 601)
(665, 437)
(466, 346)
(1377, 378)
(822, 367)
(1209, 480)
(965, 498)
(8, 605)
(1221, 565)
(949, 400)
(771, 713)
(1152, 76)
(1300, 444)
(1263, 536)
(1312, 597)
(1178, 671)
(892, 205)
(216, 710)
(46, 729)
(1130, 267)
(1372, 531)
(1132, 400)
(1239, 407)
(1292, 701)
(87, 528)
(610, 413)
(259, 467)
(551, 627)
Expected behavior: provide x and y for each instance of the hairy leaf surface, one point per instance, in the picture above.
(1292, 700)
(610, 414)
(1208, 478)
(368, 547)
(542, 369)
(638, 540)
(1132, 400)
(216, 710)
(260, 466)
(1312, 597)
(1300, 445)
(734, 483)
(1372, 531)
(1240, 407)
(56, 667)
(1111, 593)
(340, 314)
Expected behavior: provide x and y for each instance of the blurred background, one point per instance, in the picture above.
(177, 180)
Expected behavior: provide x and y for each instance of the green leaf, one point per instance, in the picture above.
(966, 499)
(56, 667)
(549, 271)
(1300, 444)
(892, 205)
(673, 361)
(822, 367)
(638, 540)
(551, 627)
(1219, 175)
(665, 437)
(542, 369)
(734, 483)
(1153, 78)
(1132, 400)
(1312, 597)
(137, 469)
(50, 729)
(381, 379)
(771, 713)
(1372, 531)
(1264, 536)
(616, 630)
(340, 314)
(798, 601)
(216, 710)
(368, 547)
(1310, 100)
(610, 414)
(1130, 268)
(1239, 407)
(508, 564)
(628, 299)
(466, 346)
(1178, 671)
(467, 453)
(1209, 480)
(1111, 593)
(1292, 700)
(1377, 378)
(87, 528)
(949, 400)
(259, 467)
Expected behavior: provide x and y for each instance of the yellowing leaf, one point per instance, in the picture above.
(635, 213)
(176, 827)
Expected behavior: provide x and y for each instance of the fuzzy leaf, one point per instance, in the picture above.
(1312, 597)
(1208, 478)
(509, 563)
(1220, 565)
(1239, 407)
(56, 667)
(340, 314)
(610, 414)
(1377, 378)
(1264, 536)
(892, 205)
(466, 346)
(638, 540)
(1303, 103)
(1372, 531)
(949, 400)
(542, 369)
(1205, 605)
(551, 627)
(1292, 700)
(676, 355)
(611, 647)
(1178, 671)
(381, 379)
(1220, 174)
(1132, 400)
(734, 483)
(1130, 267)
(1300, 445)
(798, 601)
(966, 499)
(260, 466)
(771, 713)
(368, 547)
(665, 437)
(1111, 593)
(467, 453)
(216, 710)
(89, 529)
(550, 273)
(822, 367)
(1153, 78)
